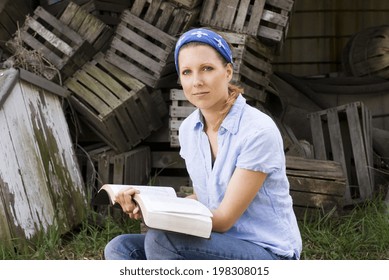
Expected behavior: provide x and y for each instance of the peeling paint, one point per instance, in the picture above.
(41, 185)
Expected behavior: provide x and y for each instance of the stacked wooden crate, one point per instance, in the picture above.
(179, 109)
(252, 64)
(145, 39)
(267, 20)
(91, 28)
(108, 11)
(104, 165)
(60, 45)
(120, 109)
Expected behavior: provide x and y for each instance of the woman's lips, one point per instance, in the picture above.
(199, 93)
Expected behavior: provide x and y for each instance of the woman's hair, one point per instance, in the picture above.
(233, 90)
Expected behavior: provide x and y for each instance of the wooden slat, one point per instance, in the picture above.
(317, 136)
(96, 103)
(359, 153)
(130, 68)
(57, 61)
(181, 112)
(317, 186)
(318, 201)
(329, 169)
(57, 25)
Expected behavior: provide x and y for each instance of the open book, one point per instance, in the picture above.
(162, 209)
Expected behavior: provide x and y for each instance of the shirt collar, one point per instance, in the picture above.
(231, 121)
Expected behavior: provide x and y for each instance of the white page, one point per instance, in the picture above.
(175, 205)
(156, 190)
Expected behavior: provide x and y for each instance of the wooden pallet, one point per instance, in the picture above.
(92, 29)
(143, 51)
(64, 48)
(166, 16)
(316, 186)
(344, 134)
(180, 108)
(252, 64)
(119, 108)
(268, 19)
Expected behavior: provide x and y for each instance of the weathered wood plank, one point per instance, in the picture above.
(39, 153)
(317, 136)
(359, 152)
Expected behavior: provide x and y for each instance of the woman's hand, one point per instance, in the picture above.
(129, 206)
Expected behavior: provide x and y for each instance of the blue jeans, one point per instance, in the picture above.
(163, 245)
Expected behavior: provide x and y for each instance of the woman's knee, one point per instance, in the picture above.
(125, 247)
(112, 247)
(158, 245)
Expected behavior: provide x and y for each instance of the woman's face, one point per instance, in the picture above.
(204, 77)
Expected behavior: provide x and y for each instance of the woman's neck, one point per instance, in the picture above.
(211, 120)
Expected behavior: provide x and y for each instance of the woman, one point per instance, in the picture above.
(235, 158)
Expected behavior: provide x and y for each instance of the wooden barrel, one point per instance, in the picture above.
(367, 53)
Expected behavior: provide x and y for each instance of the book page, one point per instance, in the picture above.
(153, 190)
(177, 205)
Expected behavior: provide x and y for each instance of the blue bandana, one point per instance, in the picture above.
(204, 36)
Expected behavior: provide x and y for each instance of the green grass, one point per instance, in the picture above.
(362, 233)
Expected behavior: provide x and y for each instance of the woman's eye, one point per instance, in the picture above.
(207, 68)
(185, 72)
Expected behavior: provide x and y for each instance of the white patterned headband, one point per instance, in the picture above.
(204, 36)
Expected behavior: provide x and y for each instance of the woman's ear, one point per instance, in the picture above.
(230, 71)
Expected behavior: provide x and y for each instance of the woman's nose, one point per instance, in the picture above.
(197, 82)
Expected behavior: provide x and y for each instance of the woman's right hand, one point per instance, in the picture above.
(129, 206)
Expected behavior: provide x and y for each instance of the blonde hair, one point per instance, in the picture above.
(233, 93)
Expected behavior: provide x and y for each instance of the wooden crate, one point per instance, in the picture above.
(56, 7)
(344, 134)
(317, 187)
(119, 108)
(64, 48)
(92, 29)
(107, 11)
(12, 15)
(41, 187)
(252, 64)
(180, 108)
(275, 22)
(105, 166)
(190, 4)
(143, 51)
(166, 16)
(263, 19)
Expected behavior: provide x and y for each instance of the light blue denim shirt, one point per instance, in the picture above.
(247, 139)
